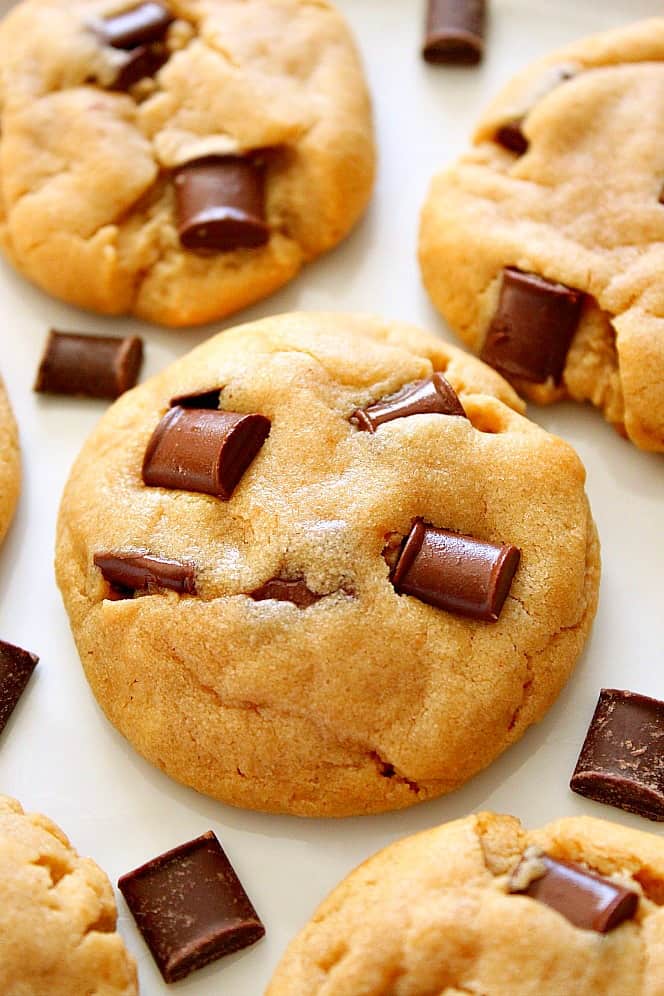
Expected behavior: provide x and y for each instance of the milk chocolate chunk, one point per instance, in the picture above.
(16, 667)
(140, 25)
(282, 590)
(532, 329)
(433, 395)
(622, 760)
(190, 907)
(455, 31)
(146, 60)
(510, 134)
(204, 399)
(88, 365)
(454, 572)
(585, 899)
(131, 572)
(221, 204)
(195, 449)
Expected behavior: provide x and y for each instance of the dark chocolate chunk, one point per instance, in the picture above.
(661, 196)
(433, 395)
(622, 760)
(532, 329)
(89, 365)
(131, 572)
(221, 204)
(146, 60)
(194, 449)
(16, 667)
(455, 31)
(511, 137)
(455, 572)
(190, 907)
(145, 23)
(282, 590)
(585, 899)
(206, 399)
(510, 134)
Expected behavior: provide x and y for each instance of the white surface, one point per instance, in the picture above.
(60, 756)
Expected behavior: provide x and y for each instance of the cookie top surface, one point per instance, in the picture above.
(433, 914)
(57, 915)
(579, 204)
(10, 465)
(89, 203)
(366, 699)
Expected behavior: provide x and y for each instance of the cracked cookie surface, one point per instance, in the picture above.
(10, 464)
(333, 695)
(433, 914)
(57, 915)
(578, 199)
(87, 205)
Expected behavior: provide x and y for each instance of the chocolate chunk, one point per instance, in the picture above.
(148, 22)
(585, 899)
(455, 572)
(532, 329)
(16, 667)
(455, 31)
(88, 365)
(433, 395)
(206, 399)
(190, 907)
(661, 196)
(131, 572)
(220, 204)
(195, 449)
(282, 590)
(511, 137)
(146, 60)
(622, 760)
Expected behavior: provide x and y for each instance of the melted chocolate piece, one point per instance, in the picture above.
(532, 329)
(208, 399)
(190, 907)
(282, 590)
(455, 31)
(89, 366)
(16, 667)
(195, 449)
(145, 23)
(585, 899)
(221, 204)
(511, 137)
(146, 60)
(454, 572)
(131, 572)
(622, 760)
(433, 395)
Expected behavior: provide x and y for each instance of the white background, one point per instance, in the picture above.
(58, 753)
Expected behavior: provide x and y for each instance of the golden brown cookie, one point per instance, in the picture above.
(57, 915)
(436, 913)
(10, 463)
(274, 654)
(543, 246)
(101, 205)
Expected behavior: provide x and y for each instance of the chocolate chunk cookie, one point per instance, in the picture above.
(543, 246)
(178, 159)
(10, 463)
(323, 565)
(57, 915)
(483, 906)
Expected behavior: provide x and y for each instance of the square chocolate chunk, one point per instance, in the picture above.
(16, 667)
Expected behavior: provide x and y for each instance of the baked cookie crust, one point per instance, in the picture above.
(10, 463)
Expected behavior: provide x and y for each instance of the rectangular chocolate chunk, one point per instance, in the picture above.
(89, 365)
(128, 573)
(16, 667)
(531, 332)
(454, 572)
(140, 25)
(146, 60)
(455, 31)
(433, 396)
(190, 907)
(587, 900)
(622, 760)
(220, 204)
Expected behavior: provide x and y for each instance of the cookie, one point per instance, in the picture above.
(178, 160)
(57, 915)
(300, 580)
(483, 906)
(543, 246)
(10, 463)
